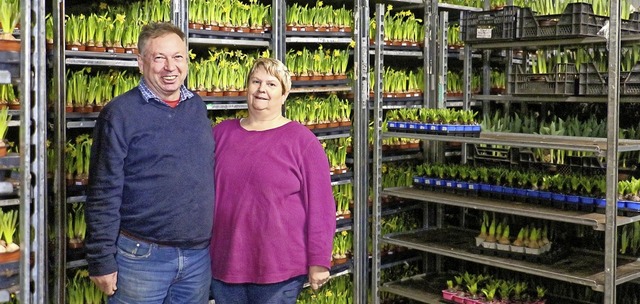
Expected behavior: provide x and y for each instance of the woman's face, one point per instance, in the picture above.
(264, 94)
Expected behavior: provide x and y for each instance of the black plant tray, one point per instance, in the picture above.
(325, 34)
(10, 61)
(550, 257)
(228, 35)
(404, 48)
(75, 254)
(343, 176)
(76, 190)
(320, 83)
(331, 131)
(224, 99)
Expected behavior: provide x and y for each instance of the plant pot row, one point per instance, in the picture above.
(101, 49)
(235, 29)
(557, 200)
(435, 128)
(463, 298)
(322, 29)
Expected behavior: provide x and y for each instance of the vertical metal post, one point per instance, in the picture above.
(26, 194)
(433, 59)
(378, 69)
(32, 277)
(37, 177)
(180, 17)
(443, 59)
(430, 37)
(59, 138)
(361, 149)
(486, 70)
(613, 106)
(278, 26)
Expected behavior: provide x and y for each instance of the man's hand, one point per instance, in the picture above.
(107, 283)
(318, 275)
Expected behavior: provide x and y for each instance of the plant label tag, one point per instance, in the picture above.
(483, 33)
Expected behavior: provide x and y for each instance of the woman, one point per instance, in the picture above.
(275, 214)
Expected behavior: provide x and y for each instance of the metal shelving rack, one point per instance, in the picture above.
(276, 41)
(31, 160)
(610, 274)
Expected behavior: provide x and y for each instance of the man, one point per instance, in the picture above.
(150, 198)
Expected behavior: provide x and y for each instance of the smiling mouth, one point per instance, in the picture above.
(170, 77)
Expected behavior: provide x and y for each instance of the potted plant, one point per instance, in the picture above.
(9, 18)
(76, 227)
(5, 118)
(76, 33)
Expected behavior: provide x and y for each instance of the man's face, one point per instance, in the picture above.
(164, 65)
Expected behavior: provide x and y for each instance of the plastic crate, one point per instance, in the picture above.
(561, 81)
(632, 25)
(577, 20)
(593, 82)
(486, 26)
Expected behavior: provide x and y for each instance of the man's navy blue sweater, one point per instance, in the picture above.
(151, 174)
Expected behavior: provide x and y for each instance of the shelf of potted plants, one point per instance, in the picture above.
(589, 144)
(594, 220)
(442, 242)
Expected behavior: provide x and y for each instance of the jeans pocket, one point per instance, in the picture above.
(134, 249)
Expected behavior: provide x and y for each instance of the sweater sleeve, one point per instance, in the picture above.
(321, 210)
(104, 197)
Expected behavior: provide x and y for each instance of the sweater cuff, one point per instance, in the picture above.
(320, 261)
(102, 266)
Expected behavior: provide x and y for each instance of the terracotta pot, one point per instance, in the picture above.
(131, 50)
(334, 124)
(231, 93)
(242, 29)
(3, 149)
(74, 244)
(97, 108)
(99, 49)
(76, 47)
(8, 257)
(346, 123)
(14, 106)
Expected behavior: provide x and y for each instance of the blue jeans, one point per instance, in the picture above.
(285, 292)
(150, 273)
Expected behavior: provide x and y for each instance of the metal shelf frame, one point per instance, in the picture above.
(277, 43)
(604, 281)
(458, 249)
(596, 221)
(590, 144)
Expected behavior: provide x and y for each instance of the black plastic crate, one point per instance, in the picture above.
(577, 20)
(486, 26)
(593, 82)
(562, 80)
(632, 25)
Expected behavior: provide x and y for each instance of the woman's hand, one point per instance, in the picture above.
(318, 276)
